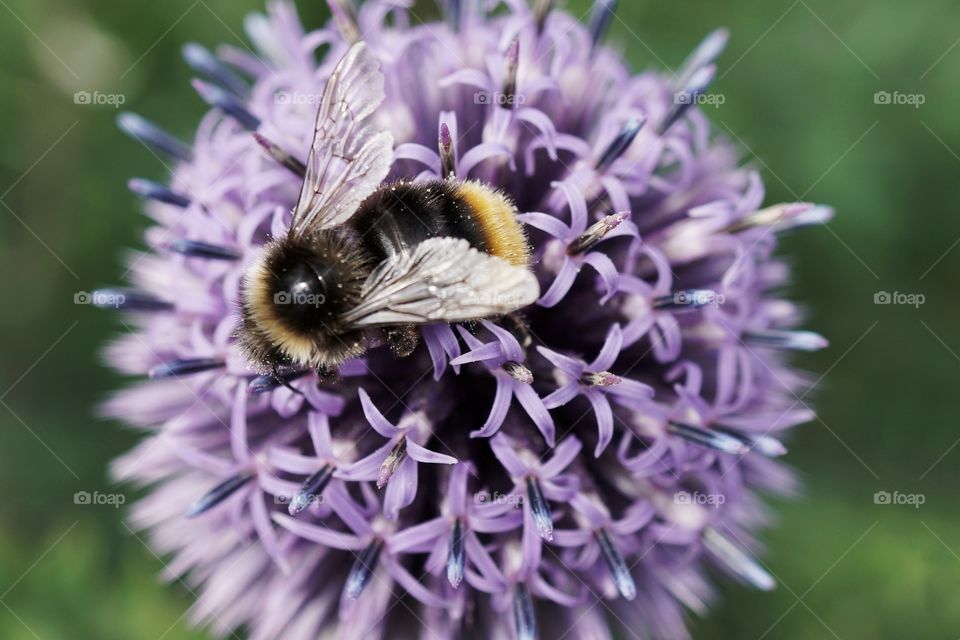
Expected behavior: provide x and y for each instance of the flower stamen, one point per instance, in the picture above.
(146, 132)
(218, 494)
(154, 191)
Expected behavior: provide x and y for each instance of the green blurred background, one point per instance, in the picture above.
(799, 80)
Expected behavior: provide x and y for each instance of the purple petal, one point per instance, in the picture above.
(503, 448)
(418, 153)
(418, 538)
(533, 405)
(319, 428)
(319, 533)
(420, 454)
(510, 347)
(367, 468)
(601, 408)
(412, 586)
(577, 204)
(562, 395)
(457, 489)
(565, 453)
(489, 351)
(546, 222)
(561, 284)
(611, 349)
(401, 490)
(376, 420)
(498, 411)
(607, 270)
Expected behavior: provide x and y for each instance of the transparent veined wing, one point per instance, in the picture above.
(442, 280)
(349, 157)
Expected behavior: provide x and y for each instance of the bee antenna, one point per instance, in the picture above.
(275, 372)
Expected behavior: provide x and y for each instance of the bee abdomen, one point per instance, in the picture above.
(401, 215)
(496, 217)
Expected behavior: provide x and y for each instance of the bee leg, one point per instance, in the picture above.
(402, 340)
(328, 376)
(275, 371)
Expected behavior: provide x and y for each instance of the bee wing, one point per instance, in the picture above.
(349, 157)
(442, 280)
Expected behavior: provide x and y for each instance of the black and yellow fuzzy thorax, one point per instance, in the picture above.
(294, 296)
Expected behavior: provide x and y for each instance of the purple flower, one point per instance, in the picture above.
(395, 463)
(576, 468)
(504, 358)
(595, 382)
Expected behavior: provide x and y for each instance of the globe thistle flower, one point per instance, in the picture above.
(578, 469)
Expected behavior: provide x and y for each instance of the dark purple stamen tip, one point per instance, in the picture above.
(539, 509)
(148, 133)
(620, 144)
(159, 192)
(218, 494)
(688, 96)
(708, 438)
(203, 61)
(600, 379)
(345, 16)
(737, 560)
(205, 250)
(524, 619)
(271, 381)
(127, 300)
(518, 372)
(790, 340)
(600, 18)
(227, 103)
(706, 52)
(596, 232)
(363, 568)
(286, 159)
(541, 10)
(784, 217)
(687, 299)
(453, 12)
(759, 442)
(456, 555)
(184, 367)
(618, 567)
(508, 97)
(311, 489)
(392, 462)
(447, 158)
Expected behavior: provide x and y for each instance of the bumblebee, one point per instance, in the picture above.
(360, 255)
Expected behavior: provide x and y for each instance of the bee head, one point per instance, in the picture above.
(294, 297)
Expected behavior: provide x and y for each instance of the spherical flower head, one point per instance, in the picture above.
(576, 467)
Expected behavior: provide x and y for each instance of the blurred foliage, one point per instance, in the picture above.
(799, 79)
